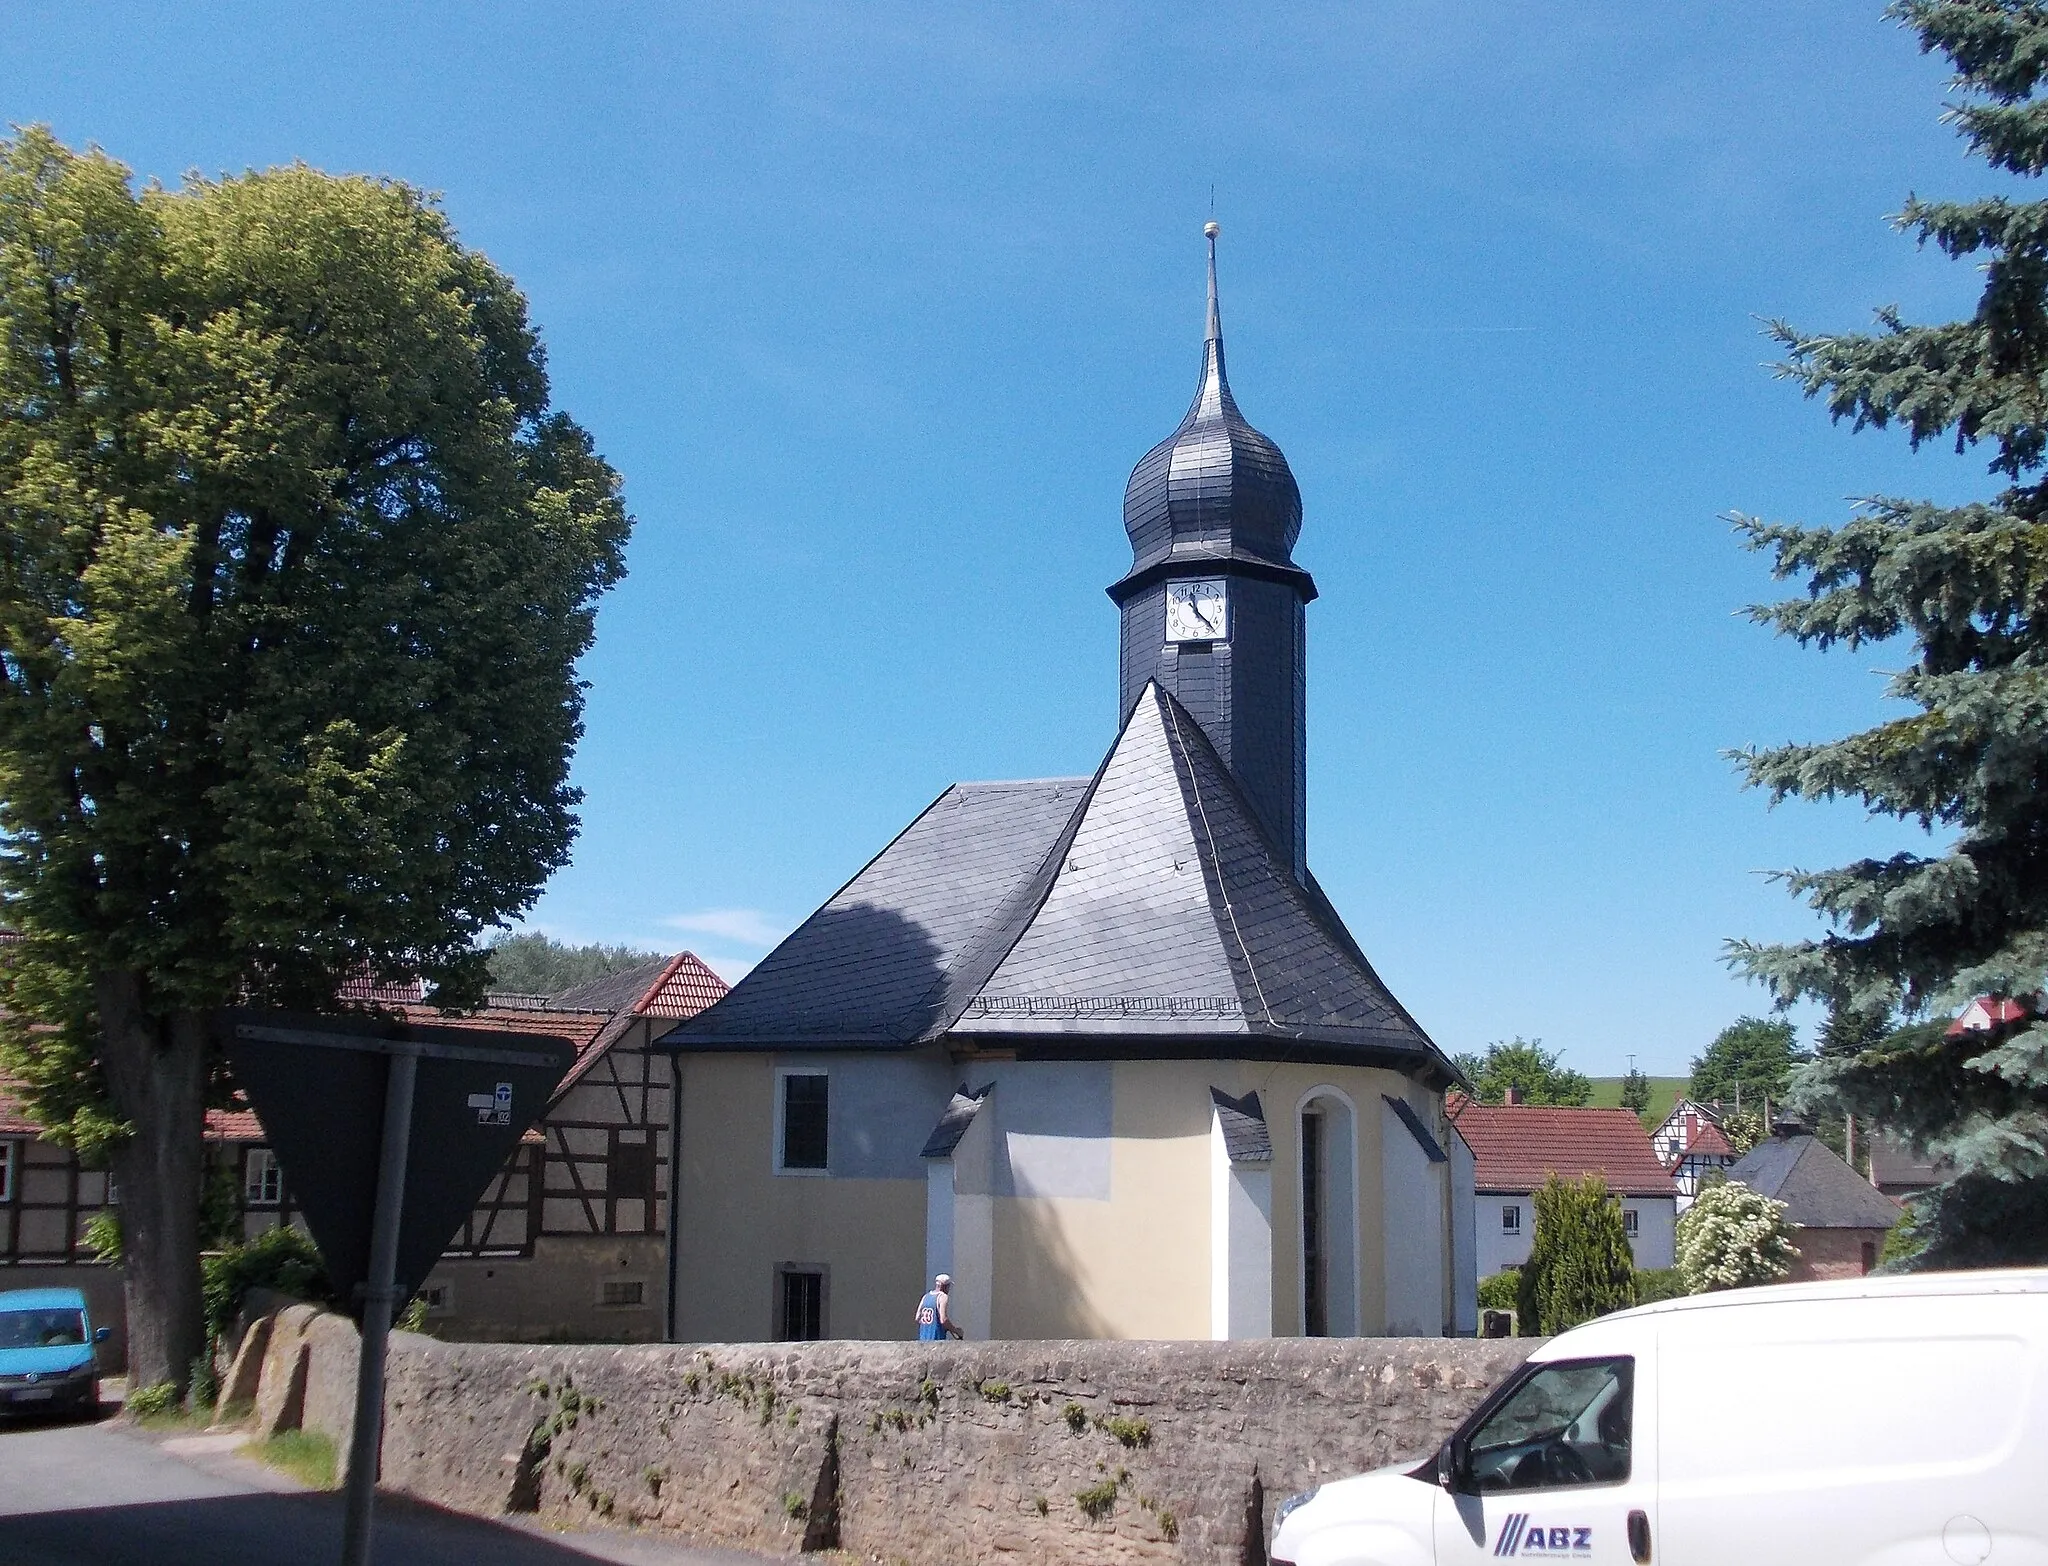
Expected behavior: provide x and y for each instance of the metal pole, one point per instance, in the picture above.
(380, 1297)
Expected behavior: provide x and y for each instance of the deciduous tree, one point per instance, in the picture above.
(1530, 1069)
(296, 562)
(1750, 1060)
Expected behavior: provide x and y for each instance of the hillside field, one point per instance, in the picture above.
(1664, 1092)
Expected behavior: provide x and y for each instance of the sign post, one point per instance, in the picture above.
(389, 1133)
(379, 1302)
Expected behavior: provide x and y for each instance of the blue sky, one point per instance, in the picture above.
(875, 306)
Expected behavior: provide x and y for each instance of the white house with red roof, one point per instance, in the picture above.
(1516, 1147)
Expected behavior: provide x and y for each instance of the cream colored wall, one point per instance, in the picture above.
(1137, 1265)
(739, 1220)
(1134, 1266)
(1281, 1089)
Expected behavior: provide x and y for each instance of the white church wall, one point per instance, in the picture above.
(1414, 1189)
(1240, 1242)
(1465, 1272)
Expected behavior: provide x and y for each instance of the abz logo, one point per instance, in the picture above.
(1518, 1538)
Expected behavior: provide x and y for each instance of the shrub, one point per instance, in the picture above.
(1660, 1283)
(148, 1402)
(1498, 1292)
(280, 1258)
(1732, 1237)
(1579, 1263)
(1098, 1500)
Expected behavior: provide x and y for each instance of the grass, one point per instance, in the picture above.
(1664, 1092)
(306, 1455)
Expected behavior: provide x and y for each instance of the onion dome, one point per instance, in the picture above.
(1215, 488)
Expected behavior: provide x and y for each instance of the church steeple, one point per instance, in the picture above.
(1212, 604)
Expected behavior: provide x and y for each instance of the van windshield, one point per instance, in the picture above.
(1566, 1424)
(41, 1328)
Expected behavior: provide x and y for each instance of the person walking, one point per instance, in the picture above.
(934, 1316)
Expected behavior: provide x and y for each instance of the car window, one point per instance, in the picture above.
(1567, 1424)
(41, 1328)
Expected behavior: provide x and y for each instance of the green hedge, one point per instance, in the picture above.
(1659, 1283)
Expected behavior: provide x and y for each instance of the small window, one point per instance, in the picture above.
(632, 1173)
(438, 1298)
(1630, 1224)
(1511, 1219)
(262, 1179)
(7, 1156)
(801, 1129)
(622, 1291)
(1563, 1425)
(800, 1313)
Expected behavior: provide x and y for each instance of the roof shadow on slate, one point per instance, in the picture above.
(858, 974)
(880, 963)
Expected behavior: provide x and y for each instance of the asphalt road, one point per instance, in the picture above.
(106, 1495)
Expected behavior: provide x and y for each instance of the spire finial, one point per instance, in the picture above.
(1211, 229)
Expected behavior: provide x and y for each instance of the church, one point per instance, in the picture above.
(1099, 1047)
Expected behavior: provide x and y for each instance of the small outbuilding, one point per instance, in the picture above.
(1840, 1219)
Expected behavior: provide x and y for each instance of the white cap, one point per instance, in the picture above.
(942, 1278)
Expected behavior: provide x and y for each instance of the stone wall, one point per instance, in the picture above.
(1071, 1451)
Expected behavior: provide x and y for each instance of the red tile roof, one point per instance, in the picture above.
(14, 1120)
(237, 1124)
(366, 991)
(1710, 1139)
(1518, 1149)
(1987, 1013)
(685, 988)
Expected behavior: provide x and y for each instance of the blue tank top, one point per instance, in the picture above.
(928, 1328)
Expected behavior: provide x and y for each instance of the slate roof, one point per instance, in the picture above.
(1405, 1113)
(1516, 1148)
(959, 1115)
(1216, 487)
(1893, 1163)
(1819, 1190)
(1246, 1137)
(1142, 909)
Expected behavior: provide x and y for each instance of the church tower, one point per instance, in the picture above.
(1212, 605)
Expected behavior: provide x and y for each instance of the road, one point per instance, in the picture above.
(106, 1495)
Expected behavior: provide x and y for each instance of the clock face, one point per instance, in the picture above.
(1197, 611)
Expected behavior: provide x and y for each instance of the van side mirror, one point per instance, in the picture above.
(101, 1334)
(1447, 1465)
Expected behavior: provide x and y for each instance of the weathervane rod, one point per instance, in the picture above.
(1211, 229)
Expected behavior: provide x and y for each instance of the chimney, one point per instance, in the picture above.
(1513, 1098)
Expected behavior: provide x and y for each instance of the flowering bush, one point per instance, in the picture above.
(1731, 1237)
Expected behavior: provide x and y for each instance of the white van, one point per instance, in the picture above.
(1891, 1421)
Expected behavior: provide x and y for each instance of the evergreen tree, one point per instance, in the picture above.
(296, 562)
(1579, 1262)
(1750, 1061)
(1635, 1091)
(1526, 1066)
(1966, 588)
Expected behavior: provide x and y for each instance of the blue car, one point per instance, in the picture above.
(48, 1356)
